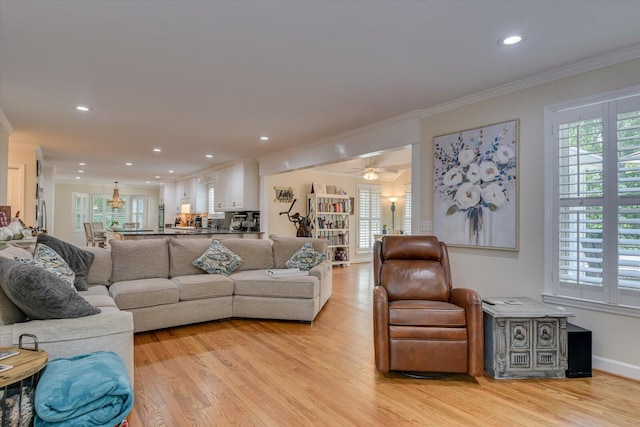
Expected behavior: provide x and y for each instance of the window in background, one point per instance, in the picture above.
(80, 211)
(407, 209)
(369, 215)
(595, 223)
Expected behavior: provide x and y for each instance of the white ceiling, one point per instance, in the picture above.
(197, 77)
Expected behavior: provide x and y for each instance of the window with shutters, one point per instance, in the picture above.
(407, 209)
(594, 227)
(134, 210)
(80, 211)
(369, 215)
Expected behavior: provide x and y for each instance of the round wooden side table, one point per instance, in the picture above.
(18, 384)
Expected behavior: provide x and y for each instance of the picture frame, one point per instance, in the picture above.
(319, 188)
(283, 194)
(26, 234)
(475, 199)
(331, 189)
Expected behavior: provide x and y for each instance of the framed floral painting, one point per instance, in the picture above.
(476, 187)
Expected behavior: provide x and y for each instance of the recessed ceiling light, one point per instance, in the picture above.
(510, 40)
(80, 171)
(77, 177)
(148, 182)
(264, 138)
(82, 108)
(157, 176)
(157, 150)
(129, 164)
(170, 171)
(82, 164)
(209, 156)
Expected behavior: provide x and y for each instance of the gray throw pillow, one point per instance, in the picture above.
(9, 312)
(78, 259)
(41, 294)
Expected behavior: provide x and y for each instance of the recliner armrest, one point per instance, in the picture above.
(470, 300)
(381, 328)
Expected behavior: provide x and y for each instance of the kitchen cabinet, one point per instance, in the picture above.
(236, 188)
(192, 196)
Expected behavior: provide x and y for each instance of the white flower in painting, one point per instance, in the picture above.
(488, 171)
(452, 177)
(504, 154)
(494, 195)
(473, 173)
(466, 157)
(467, 196)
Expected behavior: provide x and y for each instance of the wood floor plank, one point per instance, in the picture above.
(247, 372)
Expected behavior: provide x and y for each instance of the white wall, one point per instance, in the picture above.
(24, 154)
(4, 160)
(498, 273)
(63, 205)
(300, 181)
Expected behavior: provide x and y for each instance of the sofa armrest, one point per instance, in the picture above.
(110, 330)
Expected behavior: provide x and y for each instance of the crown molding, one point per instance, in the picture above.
(591, 64)
(5, 123)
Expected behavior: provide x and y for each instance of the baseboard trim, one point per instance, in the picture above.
(615, 367)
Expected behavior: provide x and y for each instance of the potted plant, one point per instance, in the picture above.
(384, 228)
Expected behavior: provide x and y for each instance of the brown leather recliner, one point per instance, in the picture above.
(420, 323)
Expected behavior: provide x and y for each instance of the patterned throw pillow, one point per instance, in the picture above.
(217, 259)
(305, 258)
(48, 259)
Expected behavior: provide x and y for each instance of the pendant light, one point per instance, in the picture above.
(115, 201)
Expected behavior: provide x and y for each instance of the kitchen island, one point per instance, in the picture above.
(181, 233)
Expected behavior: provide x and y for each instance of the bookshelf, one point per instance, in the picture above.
(329, 216)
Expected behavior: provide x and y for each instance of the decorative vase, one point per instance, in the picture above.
(16, 228)
(5, 234)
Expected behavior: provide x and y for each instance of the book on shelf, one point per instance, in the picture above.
(286, 272)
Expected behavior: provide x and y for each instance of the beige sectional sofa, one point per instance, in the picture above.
(152, 284)
(156, 280)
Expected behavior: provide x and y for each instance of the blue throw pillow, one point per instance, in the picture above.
(305, 258)
(217, 259)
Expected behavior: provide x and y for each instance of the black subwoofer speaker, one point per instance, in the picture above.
(578, 352)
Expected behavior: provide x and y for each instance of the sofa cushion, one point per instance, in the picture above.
(201, 286)
(257, 283)
(284, 247)
(217, 259)
(182, 253)
(256, 254)
(305, 258)
(139, 259)
(48, 259)
(100, 301)
(95, 290)
(100, 271)
(41, 294)
(130, 294)
(13, 252)
(9, 312)
(78, 259)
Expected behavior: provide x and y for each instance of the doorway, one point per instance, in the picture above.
(15, 189)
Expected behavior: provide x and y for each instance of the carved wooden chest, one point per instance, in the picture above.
(524, 339)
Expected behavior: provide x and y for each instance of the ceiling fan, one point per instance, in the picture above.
(371, 172)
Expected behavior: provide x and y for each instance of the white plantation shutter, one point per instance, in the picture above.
(369, 215)
(137, 209)
(80, 211)
(597, 202)
(407, 209)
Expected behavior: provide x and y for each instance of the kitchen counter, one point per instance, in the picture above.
(182, 233)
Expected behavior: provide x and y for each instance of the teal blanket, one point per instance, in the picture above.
(87, 390)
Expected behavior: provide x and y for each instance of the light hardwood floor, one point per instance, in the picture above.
(271, 373)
